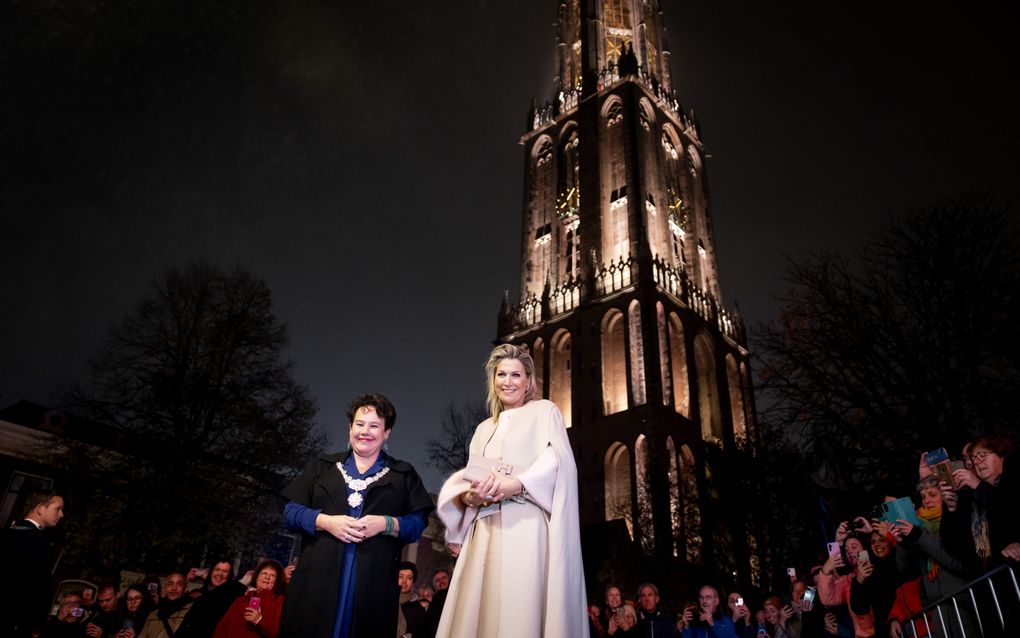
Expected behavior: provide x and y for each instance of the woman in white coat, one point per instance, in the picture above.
(511, 518)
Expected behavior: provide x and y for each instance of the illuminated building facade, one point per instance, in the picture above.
(620, 302)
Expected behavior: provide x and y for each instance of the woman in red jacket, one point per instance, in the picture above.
(257, 613)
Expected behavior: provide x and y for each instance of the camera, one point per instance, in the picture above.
(696, 620)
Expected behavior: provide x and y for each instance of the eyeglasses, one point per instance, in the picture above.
(977, 457)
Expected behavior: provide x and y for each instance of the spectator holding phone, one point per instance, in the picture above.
(992, 484)
(135, 607)
(740, 615)
(70, 620)
(876, 580)
(620, 617)
(169, 614)
(257, 613)
(833, 588)
(781, 620)
(106, 621)
(705, 620)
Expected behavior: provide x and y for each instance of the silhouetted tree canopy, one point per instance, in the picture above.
(449, 452)
(906, 345)
(214, 424)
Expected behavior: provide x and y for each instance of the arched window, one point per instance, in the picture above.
(678, 365)
(651, 39)
(617, 471)
(664, 372)
(637, 353)
(619, 27)
(677, 207)
(708, 390)
(692, 505)
(644, 496)
(542, 205)
(538, 354)
(614, 363)
(559, 374)
(569, 202)
(736, 402)
(616, 228)
(675, 511)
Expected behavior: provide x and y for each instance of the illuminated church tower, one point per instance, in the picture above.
(620, 302)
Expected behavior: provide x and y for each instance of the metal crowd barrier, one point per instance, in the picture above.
(983, 596)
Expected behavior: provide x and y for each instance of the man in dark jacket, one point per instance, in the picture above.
(651, 620)
(27, 550)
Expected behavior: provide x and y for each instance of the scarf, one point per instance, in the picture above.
(169, 607)
(931, 519)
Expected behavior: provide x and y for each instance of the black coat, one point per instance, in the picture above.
(309, 610)
(28, 555)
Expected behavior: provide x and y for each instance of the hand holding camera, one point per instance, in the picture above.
(842, 532)
(864, 570)
(862, 524)
(965, 478)
(785, 614)
(834, 562)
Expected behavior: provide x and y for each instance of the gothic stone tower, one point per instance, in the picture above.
(620, 301)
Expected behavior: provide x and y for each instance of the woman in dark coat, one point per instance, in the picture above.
(356, 511)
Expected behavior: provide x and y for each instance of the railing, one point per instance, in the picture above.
(568, 99)
(676, 283)
(614, 276)
(565, 297)
(961, 623)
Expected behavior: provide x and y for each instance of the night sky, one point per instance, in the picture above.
(362, 158)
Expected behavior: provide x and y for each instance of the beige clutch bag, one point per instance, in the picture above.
(479, 467)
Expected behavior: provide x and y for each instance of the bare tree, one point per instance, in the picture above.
(449, 452)
(909, 344)
(213, 421)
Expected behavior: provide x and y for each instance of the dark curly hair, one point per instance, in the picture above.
(377, 402)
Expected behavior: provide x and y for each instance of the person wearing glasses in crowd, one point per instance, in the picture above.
(990, 481)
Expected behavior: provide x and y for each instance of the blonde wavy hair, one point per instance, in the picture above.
(499, 353)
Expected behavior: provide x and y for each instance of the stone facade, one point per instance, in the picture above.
(620, 301)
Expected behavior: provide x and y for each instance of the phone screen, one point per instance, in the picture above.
(862, 556)
(936, 456)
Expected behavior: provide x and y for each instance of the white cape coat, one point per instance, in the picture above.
(537, 446)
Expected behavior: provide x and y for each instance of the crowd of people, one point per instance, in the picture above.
(511, 519)
(878, 573)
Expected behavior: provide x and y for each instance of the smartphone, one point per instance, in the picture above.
(833, 549)
(936, 456)
(740, 601)
(128, 624)
(809, 599)
(254, 602)
(153, 587)
(202, 572)
(862, 556)
(77, 612)
(791, 572)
